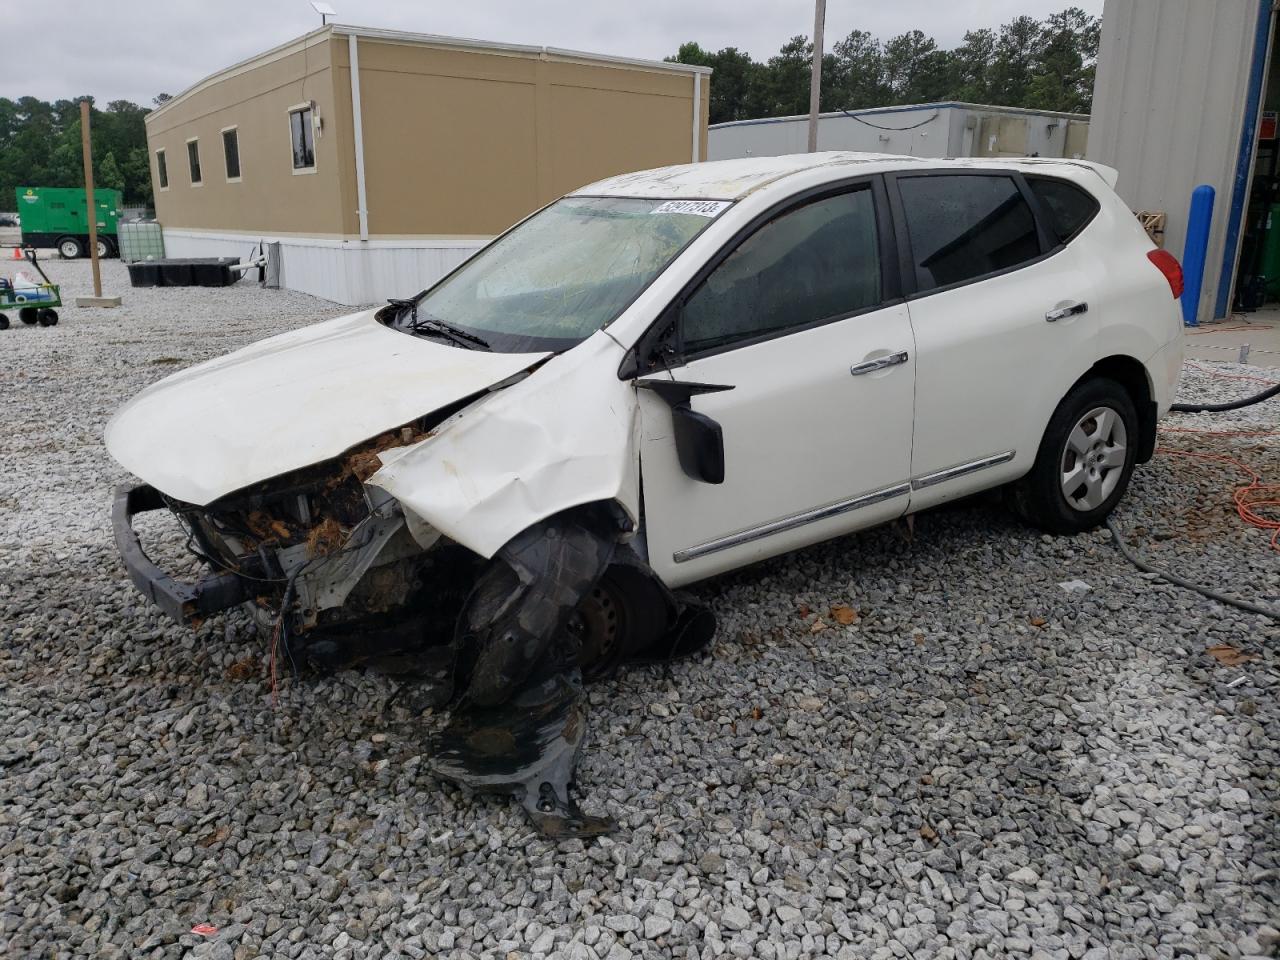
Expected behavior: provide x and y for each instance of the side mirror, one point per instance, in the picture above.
(699, 439)
(699, 444)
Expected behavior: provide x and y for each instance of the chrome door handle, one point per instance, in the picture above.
(1070, 310)
(870, 366)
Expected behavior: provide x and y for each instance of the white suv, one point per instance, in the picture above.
(658, 378)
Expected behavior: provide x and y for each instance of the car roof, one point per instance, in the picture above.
(735, 179)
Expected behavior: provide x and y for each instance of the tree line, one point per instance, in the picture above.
(1041, 64)
(40, 146)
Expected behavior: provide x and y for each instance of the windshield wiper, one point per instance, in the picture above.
(432, 324)
(448, 329)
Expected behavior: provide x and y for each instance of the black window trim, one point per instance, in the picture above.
(1044, 214)
(667, 322)
(1049, 244)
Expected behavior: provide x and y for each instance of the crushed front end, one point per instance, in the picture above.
(337, 573)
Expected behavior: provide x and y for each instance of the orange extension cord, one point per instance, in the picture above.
(1253, 496)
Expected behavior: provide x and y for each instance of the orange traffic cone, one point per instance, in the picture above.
(17, 254)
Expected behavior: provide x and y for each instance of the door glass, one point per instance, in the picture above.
(1067, 207)
(817, 262)
(965, 227)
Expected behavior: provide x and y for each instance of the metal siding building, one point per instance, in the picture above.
(948, 129)
(1176, 104)
(424, 148)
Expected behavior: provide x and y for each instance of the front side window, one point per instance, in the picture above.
(564, 273)
(231, 153)
(1065, 206)
(162, 170)
(303, 137)
(193, 160)
(965, 227)
(817, 262)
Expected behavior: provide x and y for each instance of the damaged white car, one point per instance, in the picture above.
(661, 377)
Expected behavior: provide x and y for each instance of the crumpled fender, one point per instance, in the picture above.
(565, 435)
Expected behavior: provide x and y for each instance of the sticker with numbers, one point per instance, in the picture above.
(699, 208)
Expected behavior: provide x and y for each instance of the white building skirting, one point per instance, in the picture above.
(350, 272)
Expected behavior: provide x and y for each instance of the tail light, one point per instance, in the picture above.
(1168, 264)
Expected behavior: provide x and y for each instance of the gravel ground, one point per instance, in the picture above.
(980, 764)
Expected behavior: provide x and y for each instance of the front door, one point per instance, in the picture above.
(800, 319)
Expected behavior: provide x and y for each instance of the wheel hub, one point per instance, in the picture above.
(598, 625)
(1093, 458)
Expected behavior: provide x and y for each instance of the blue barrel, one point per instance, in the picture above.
(1199, 220)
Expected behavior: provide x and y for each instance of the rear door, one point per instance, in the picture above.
(1005, 321)
(802, 320)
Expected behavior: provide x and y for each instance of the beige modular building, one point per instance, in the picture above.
(374, 161)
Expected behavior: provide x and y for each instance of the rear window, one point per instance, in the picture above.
(1067, 208)
(963, 227)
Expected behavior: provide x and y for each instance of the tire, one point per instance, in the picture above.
(624, 613)
(106, 249)
(1085, 460)
(4, 322)
(48, 317)
(28, 315)
(70, 248)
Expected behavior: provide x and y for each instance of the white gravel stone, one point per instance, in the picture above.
(839, 793)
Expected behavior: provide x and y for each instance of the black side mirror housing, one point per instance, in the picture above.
(699, 444)
(699, 439)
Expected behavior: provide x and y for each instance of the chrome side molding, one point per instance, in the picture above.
(841, 506)
(791, 522)
(959, 470)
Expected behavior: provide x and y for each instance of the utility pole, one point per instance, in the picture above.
(91, 207)
(90, 200)
(815, 75)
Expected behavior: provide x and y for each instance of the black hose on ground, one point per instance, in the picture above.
(1180, 582)
(1266, 394)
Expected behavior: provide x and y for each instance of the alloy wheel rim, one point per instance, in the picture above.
(1093, 459)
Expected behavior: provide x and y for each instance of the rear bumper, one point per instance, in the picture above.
(188, 603)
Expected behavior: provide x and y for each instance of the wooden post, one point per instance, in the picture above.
(91, 203)
(815, 74)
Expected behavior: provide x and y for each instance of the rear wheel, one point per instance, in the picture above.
(4, 322)
(1085, 460)
(105, 249)
(48, 317)
(70, 248)
(28, 315)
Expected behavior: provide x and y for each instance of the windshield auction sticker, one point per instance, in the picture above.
(699, 208)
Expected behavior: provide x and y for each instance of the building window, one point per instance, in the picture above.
(162, 170)
(231, 153)
(303, 138)
(193, 161)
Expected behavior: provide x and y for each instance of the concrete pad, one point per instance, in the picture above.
(97, 301)
(1241, 338)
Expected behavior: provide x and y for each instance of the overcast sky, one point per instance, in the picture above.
(134, 49)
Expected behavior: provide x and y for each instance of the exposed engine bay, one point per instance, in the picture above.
(336, 573)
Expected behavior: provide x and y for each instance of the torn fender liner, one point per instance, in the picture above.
(521, 719)
(522, 604)
(527, 747)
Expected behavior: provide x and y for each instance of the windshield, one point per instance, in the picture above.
(563, 274)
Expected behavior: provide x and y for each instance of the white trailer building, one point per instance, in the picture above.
(1186, 94)
(950, 129)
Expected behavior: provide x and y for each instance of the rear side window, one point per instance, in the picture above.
(816, 262)
(965, 227)
(1066, 207)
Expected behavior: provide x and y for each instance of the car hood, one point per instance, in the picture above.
(291, 401)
